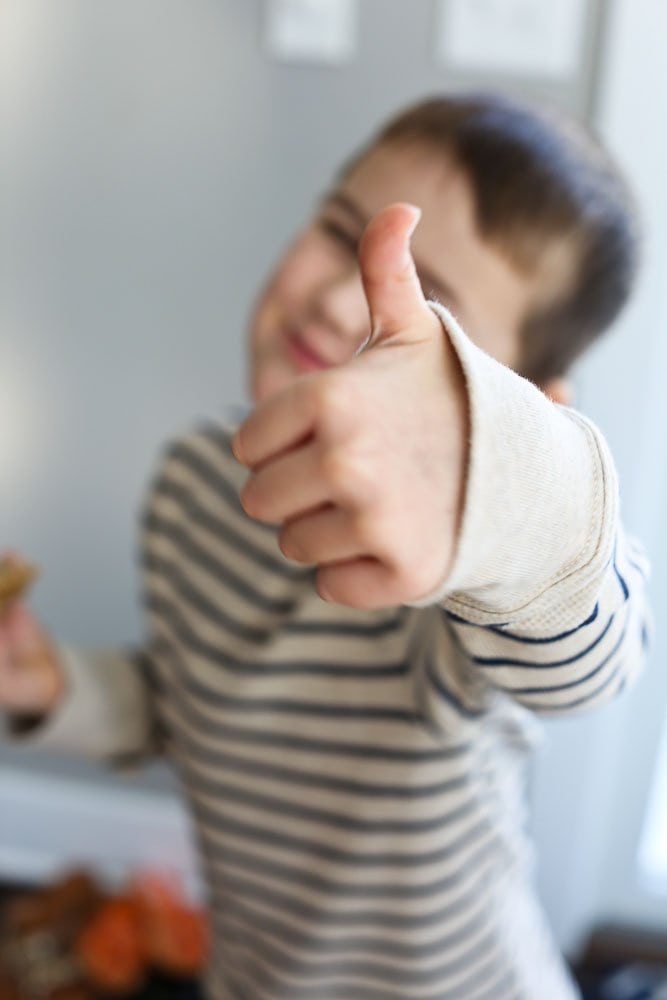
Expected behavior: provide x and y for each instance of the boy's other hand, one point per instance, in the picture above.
(364, 465)
(31, 679)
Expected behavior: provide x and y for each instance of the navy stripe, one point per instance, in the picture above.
(195, 513)
(287, 706)
(330, 982)
(276, 927)
(361, 968)
(528, 640)
(185, 588)
(496, 661)
(448, 695)
(166, 567)
(295, 878)
(329, 971)
(216, 655)
(310, 745)
(301, 846)
(577, 702)
(290, 776)
(183, 453)
(624, 586)
(543, 689)
(192, 552)
(192, 595)
(281, 807)
(231, 886)
(371, 713)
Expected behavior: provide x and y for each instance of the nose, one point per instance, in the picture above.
(341, 305)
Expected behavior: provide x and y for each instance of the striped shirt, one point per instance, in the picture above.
(357, 778)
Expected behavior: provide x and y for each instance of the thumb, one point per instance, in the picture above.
(395, 299)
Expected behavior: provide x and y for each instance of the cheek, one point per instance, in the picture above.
(304, 269)
(266, 317)
(282, 297)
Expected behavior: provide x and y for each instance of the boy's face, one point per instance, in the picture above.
(313, 314)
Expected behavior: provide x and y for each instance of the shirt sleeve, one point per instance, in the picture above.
(105, 712)
(546, 596)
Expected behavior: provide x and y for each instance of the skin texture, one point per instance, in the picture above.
(335, 436)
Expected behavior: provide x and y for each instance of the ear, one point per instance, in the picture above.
(559, 390)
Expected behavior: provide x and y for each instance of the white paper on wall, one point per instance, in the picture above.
(312, 30)
(520, 37)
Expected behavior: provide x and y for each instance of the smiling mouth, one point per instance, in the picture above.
(304, 356)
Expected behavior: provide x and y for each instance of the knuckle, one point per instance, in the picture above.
(349, 476)
(368, 487)
(369, 532)
(337, 469)
(334, 402)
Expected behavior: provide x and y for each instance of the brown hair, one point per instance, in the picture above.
(550, 199)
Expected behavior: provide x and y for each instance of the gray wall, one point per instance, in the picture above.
(154, 161)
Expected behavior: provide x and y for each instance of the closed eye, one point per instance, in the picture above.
(338, 233)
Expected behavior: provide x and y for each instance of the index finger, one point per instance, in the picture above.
(279, 424)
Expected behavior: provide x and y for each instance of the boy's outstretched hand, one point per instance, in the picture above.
(364, 465)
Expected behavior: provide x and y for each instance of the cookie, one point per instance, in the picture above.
(15, 579)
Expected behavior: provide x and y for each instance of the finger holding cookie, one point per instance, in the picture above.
(31, 679)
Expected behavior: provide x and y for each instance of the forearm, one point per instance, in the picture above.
(541, 501)
(104, 712)
(547, 601)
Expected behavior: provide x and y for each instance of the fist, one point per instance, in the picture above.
(363, 465)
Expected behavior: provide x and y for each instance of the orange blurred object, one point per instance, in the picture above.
(74, 940)
(111, 947)
(175, 935)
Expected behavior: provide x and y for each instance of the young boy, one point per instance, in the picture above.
(350, 716)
